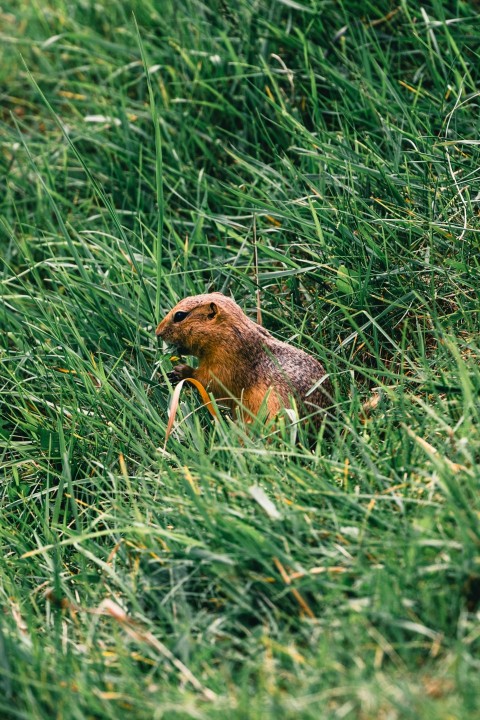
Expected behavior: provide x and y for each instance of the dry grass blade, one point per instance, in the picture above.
(111, 608)
(176, 399)
(287, 580)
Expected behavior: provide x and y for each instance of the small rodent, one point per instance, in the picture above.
(239, 361)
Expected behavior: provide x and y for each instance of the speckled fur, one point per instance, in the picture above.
(240, 361)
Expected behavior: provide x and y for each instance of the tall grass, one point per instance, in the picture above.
(235, 574)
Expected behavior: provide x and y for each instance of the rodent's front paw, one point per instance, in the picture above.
(179, 372)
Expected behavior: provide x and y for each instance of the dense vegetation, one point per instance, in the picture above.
(143, 145)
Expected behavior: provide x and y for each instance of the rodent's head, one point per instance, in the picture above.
(199, 323)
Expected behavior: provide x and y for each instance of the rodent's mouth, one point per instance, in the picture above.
(182, 350)
(177, 349)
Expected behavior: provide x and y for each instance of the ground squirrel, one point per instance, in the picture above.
(239, 361)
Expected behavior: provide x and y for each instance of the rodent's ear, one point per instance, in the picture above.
(213, 311)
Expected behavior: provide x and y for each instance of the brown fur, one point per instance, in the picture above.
(239, 361)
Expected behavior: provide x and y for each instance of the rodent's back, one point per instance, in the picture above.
(295, 372)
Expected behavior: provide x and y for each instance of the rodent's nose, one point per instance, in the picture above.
(159, 330)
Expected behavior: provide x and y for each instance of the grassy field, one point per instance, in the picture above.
(234, 576)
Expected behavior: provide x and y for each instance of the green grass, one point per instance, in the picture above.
(356, 155)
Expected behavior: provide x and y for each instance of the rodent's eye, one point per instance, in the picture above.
(179, 316)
